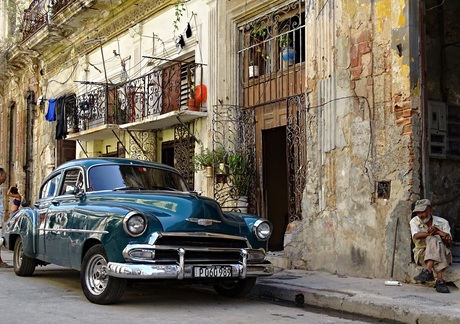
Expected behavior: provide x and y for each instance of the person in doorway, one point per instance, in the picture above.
(14, 193)
(431, 236)
(2, 180)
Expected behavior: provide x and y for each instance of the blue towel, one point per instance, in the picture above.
(51, 114)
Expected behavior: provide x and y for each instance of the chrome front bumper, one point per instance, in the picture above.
(137, 268)
(157, 271)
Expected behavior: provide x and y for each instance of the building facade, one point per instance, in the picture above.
(345, 112)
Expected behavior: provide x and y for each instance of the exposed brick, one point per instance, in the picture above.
(365, 36)
(364, 48)
(356, 72)
(407, 129)
(370, 80)
(403, 122)
(355, 59)
(352, 85)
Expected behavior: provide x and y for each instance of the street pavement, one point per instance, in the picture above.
(408, 303)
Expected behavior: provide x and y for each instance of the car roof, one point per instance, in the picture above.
(89, 162)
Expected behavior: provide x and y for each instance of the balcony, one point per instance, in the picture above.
(272, 58)
(47, 22)
(151, 102)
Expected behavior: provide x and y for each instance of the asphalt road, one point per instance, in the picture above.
(53, 295)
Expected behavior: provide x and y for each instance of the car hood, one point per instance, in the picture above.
(175, 211)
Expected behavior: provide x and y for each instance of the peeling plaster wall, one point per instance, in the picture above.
(20, 79)
(359, 104)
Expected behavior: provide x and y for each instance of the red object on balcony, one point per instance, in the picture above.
(201, 94)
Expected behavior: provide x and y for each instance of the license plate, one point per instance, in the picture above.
(212, 272)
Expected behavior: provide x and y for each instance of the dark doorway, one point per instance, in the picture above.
(167, 153)
(275, 179)
(65, 151)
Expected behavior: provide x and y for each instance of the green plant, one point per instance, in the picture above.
(203, 160)
(285, 41)
(220, 155)
(191, 82)
(239, 173)
(258, 34)
(179, 9)
(220, 160)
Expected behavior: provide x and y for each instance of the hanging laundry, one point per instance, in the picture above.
(51, 114)
(61, 125)
(188, 31)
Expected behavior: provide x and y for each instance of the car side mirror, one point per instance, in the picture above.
(24, 203)
(197, 192)
(72, 190)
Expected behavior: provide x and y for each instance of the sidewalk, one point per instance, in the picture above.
(409, 303)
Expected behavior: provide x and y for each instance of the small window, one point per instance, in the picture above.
(72, 178)
(50, 188)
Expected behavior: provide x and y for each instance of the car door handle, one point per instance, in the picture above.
(55, 202)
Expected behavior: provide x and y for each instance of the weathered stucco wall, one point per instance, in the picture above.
(359, 134)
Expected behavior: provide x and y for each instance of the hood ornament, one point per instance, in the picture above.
(203, 221)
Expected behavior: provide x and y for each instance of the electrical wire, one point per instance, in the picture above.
(371, 131)
(439, 5)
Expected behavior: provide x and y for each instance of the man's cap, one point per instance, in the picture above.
(421, 205)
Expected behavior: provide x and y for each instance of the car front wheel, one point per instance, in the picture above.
(98, 287)
(239, 288)
(23, 265)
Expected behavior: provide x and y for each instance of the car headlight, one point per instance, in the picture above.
(262, 229)
(134, 224)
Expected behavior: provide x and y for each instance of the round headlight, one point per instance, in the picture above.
(262, 229)
(135, 224)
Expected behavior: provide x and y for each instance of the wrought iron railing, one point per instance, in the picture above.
(39, 14)
(156, 93)
(272, 56)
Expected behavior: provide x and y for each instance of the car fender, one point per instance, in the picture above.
(24, 224)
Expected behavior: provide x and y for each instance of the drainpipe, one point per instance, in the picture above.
(28, 167)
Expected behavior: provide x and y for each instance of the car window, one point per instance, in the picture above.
(72, 178)
(50, 188)
(109, 177)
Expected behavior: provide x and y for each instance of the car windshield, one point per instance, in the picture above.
(121, 177)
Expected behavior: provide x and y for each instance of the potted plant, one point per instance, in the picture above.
(287, 52)
(191, 101)
(220, 160)
(204, 161)
(239, 175)
(258, 55)
(253, 69)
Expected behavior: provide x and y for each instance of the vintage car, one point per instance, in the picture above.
(118, 219)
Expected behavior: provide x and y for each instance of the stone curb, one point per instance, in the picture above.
(380, 307)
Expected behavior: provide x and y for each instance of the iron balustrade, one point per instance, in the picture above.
(153, 94)
(40, 14)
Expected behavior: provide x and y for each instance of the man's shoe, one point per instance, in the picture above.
(441, 287)
(425, 275)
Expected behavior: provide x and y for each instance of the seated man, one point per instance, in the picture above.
(431, 236)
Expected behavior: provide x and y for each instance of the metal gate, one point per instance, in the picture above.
(297, 157)
(233, 129)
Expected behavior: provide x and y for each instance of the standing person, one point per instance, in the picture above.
(2, 180)
(431, 236)
(14, 193)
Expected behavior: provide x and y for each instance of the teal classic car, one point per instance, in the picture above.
(118, 219)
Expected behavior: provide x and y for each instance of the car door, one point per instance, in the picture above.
(47, 193)
(59, 218)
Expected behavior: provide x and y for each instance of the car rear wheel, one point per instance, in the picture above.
(239, 288)
(98, 287)
(23, 265)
